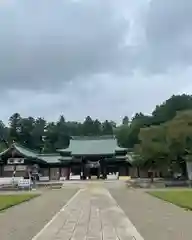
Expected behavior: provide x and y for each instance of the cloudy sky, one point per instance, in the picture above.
(103, 58)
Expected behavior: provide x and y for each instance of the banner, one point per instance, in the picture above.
(24, 183)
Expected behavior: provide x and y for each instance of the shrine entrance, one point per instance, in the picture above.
(93, 169)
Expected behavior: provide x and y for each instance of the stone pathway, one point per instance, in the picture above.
(92, 215)
(154, 218)
(23, 221)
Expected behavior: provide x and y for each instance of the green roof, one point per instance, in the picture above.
(68, 158)
(25, 151)
(49, 158)
(78, 146)
(46, 158)
(92, 146)
(22, 150)
(54, 158)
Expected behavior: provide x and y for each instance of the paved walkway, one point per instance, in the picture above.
(91, 214)
(23, 221)
(154, 218)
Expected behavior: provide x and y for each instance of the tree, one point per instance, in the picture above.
(15, 127)
(38, 134)
(50, 138)
(88, 126)
(168, 144)
(153, 148)
(97, 128)
(127, 134)
(162, 113)
(26, 129)
(179, 138)
(4, 136)
(125, 121)
(138, 160)
(170, 107)
(62, 133)
(107, 128)
(122, 135)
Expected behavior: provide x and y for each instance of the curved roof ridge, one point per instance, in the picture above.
(22, 146)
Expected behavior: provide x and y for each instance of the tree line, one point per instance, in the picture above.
(162, 138)
(43, 136)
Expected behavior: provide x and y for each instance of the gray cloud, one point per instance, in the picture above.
(100, 58)
(47, 43)
(168, 34)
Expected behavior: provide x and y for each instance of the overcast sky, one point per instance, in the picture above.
(103, 58)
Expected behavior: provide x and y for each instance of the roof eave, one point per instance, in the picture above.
(92, 154)
(67, 150)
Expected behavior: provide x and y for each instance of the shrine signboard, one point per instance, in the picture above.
(15, 161)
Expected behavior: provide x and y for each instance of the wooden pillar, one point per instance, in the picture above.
(49, 174)
(83, 171)
(98, 172)
(104, 169)
(68, 172)
(127, 170)
(138, 172)
(1, 170)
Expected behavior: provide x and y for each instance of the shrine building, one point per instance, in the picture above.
(85, 157)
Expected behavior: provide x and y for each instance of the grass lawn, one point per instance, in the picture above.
(7, 201)
(181, 198)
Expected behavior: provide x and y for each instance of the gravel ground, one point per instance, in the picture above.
(23, 221)
(154, 218)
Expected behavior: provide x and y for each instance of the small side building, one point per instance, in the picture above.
(23, 160)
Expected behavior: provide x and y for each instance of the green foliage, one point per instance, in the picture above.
(168, 144)
(163, 139)
(169, 139)
(123, 135)
(125, 121)
(170, 107)
(47, 137)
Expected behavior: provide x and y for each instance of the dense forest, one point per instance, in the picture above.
(165, 134)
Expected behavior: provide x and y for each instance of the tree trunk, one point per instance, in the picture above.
(138, 172)
(152, 177)
(183, 167)
(150, 173)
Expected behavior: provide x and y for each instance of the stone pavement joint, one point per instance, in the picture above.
(91, 215)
